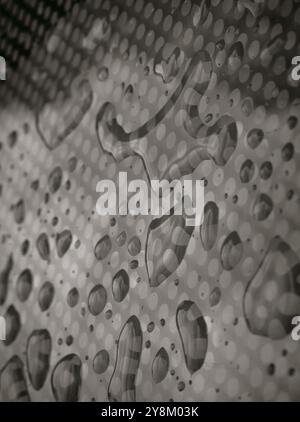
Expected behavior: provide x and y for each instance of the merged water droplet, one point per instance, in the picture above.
(272, 296)
(231, 251)
(55, 179)
(120, 285)
(46, 296)
(13, 386)
(168, 67)
(160, 365)
(63, 242)
(192, 329)
(101, 361)
(43, 246)
(103, 247)
(4, 279)
(24, 285)
(13, 324)
(38, 353)
(122, 384)
(209, 227)
(66, 379)
(97, 299)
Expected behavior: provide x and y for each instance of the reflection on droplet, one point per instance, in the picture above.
(66, 379)
(192, 329)
(24, 285)
(38, 357)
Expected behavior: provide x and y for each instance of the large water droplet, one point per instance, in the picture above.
(66, 379)
(122, 384)
(192, 329)
(38, 357)
(101, 361)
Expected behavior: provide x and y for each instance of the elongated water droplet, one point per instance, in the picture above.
(122, 384)
(24, 285)
(209, 227)
(66, 379)
(215, 297)
(46, 296)
(247, 171)
(160, 365)
(19, 212)
(13, 324)
(120, 285)
(38, 357)
(63, 242)
(55, 179)
(4, 279)
(192, 329)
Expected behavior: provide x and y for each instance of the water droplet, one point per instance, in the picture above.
(63, 242)
(134, 246)
(97, 299)
(122, 384)
(209, 227)
(247, 171)
(121, 239)
(13, 382)
(46, 296)
(66, 379)
(24, 285)
(103, 73)
(55, 179)
(231, 251)
(160, 365)
(101, 362)
(73, 297)
(103, 247)
(272, 296)
(192, 330)
(215, 296)
(13, 324)
(120, 285)
(43, 246)
(19, 212)
(254, 138)
(262, 207)
(38, 357)
(266, 170)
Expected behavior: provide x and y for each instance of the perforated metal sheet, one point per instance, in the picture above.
(157, 89)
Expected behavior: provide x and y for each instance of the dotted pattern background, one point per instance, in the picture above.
(114, 46)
